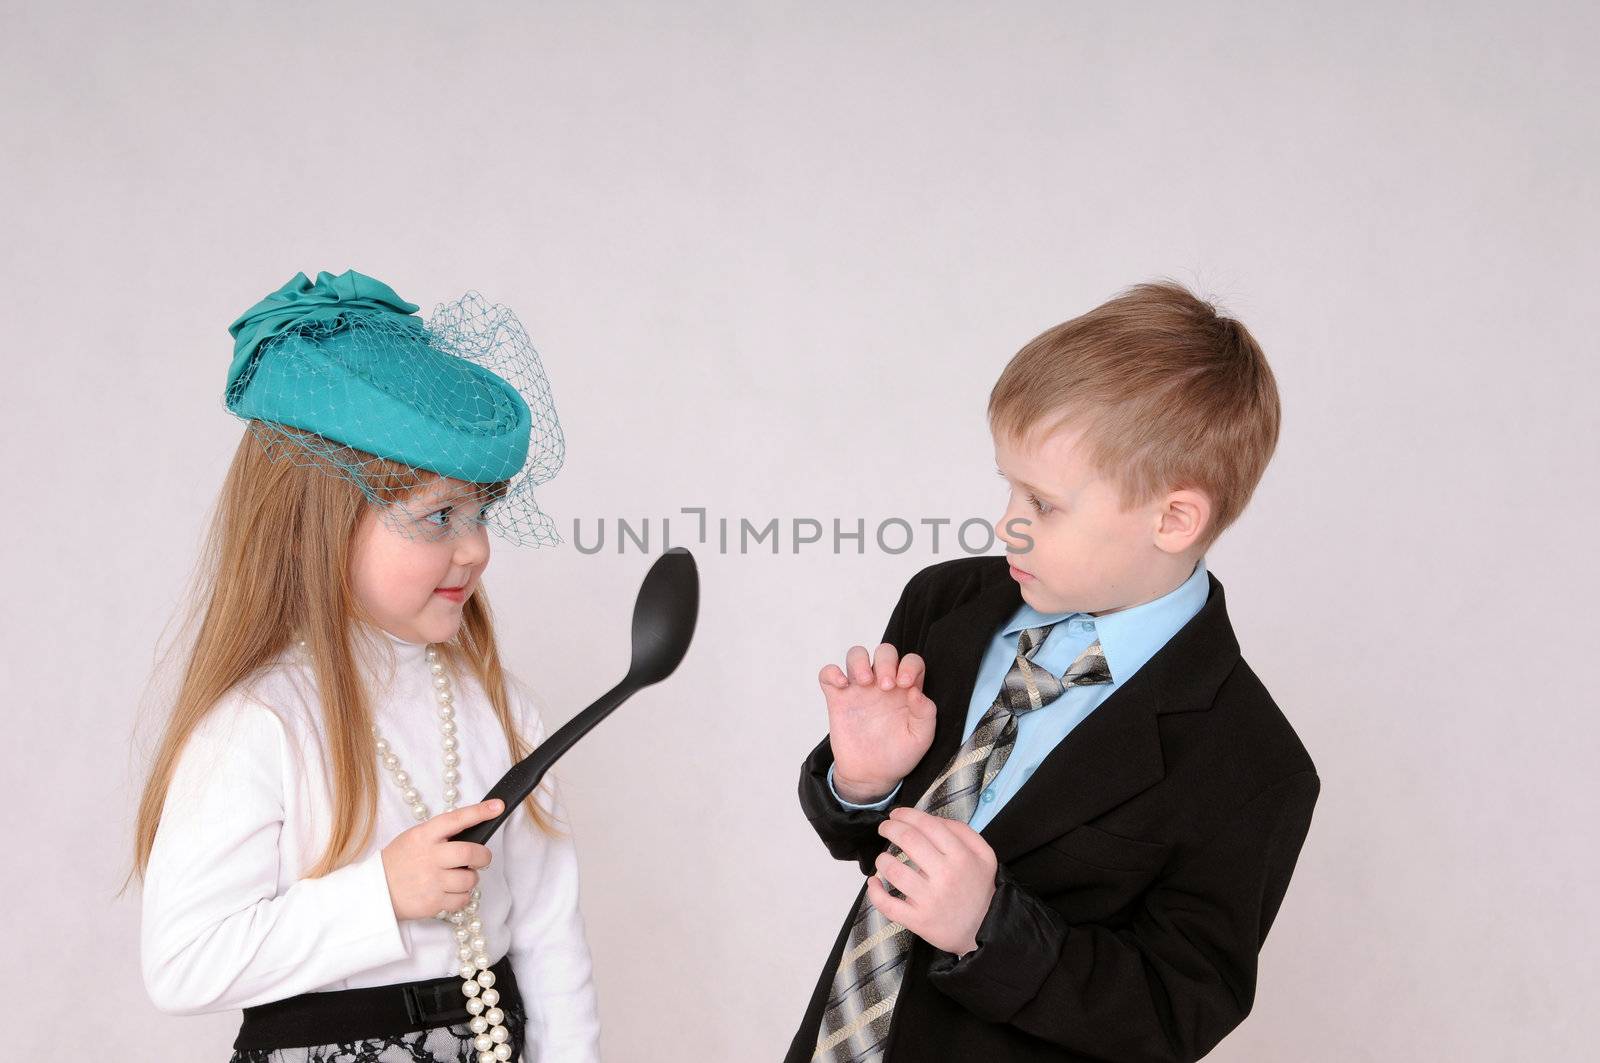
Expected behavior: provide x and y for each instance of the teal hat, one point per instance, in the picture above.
(340, 371)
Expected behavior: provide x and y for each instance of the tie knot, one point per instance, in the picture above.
(1028, 686)
(1031, 639)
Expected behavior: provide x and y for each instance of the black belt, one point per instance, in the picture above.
(340, 1015)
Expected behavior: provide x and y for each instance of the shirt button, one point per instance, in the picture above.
(988, 795)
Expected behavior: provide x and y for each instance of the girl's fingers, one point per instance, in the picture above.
(885, 665)
(458, 880)
(465, 854)
(911, 670)
(833, 676)
(447, 824)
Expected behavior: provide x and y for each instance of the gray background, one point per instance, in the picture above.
(774, 256)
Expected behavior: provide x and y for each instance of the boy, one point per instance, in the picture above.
(1077, 805)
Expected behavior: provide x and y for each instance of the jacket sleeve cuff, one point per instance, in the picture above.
(1019, 944)
(875, 806)
(849, 833)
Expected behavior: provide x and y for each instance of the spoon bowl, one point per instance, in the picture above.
(664, 615)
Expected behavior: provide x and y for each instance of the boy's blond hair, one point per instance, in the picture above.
(1169, 393)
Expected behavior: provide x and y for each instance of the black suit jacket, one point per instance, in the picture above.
(1140, 866)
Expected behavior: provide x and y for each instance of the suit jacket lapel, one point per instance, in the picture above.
(1115, 752)
(1112, 755)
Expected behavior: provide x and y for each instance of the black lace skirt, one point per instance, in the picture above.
(425, 1021)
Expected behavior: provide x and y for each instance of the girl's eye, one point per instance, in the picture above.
(483, 514)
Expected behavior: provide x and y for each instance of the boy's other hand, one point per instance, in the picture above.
(880, 723)
(950, 887)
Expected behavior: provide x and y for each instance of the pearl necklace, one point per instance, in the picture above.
(492, 1038)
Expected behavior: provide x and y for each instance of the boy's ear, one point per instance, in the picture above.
(1187, 514)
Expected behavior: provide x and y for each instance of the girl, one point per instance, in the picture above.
(345, 692)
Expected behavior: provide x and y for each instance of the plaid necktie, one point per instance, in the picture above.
(867, 981)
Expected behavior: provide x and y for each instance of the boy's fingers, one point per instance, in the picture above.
(859, 665)
(961, 831)
(935, 828)
(894, 907)
(912, 842)
(911, 670)
(906, 879)
(885, 664)
(968, 837)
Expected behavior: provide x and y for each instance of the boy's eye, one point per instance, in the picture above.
(1038, 507)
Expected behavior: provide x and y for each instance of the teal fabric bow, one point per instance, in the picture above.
(300, 302)
(350, 362)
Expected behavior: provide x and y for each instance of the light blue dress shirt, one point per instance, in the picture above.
(1128, 638)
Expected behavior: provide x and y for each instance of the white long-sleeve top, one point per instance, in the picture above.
(230, 921)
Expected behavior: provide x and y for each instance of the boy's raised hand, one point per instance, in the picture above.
(880, 723)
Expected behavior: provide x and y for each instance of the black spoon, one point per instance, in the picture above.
(663, 623)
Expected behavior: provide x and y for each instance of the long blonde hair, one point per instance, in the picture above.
(275, 561)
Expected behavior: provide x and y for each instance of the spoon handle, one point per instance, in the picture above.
(524, 775)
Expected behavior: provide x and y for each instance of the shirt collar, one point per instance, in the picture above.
(1130, 637)
(385, 651)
